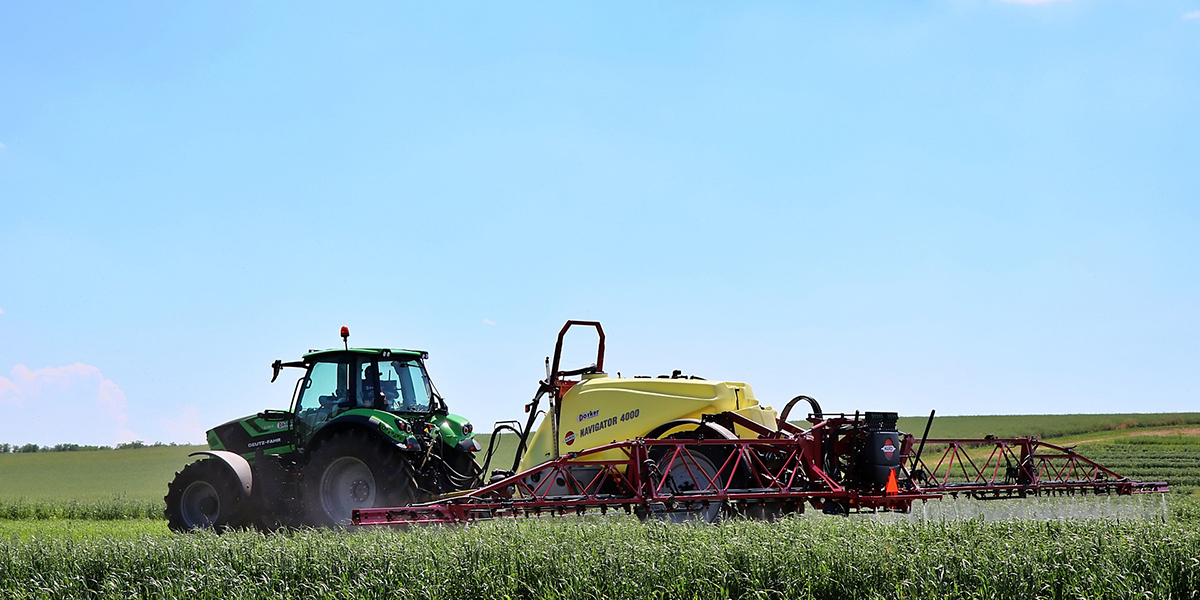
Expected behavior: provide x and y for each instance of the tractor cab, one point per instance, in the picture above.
(343, 386)
(372, 379)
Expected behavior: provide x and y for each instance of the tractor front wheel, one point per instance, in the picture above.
(353, 470)
(204, 495)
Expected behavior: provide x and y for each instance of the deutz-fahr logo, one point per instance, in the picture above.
(889, 448)
(570, 438)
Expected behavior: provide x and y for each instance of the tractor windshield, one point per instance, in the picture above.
(403, 385)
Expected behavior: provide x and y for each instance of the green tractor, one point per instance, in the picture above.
(366, 429)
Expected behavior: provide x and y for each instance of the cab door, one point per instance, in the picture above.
(325, 392)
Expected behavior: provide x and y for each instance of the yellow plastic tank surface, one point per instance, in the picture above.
(600, 409)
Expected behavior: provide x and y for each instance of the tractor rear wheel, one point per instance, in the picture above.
(204, 495)
(354, 469)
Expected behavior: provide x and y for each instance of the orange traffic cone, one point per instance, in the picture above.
(892, 486)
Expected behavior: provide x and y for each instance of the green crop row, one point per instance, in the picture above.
(1173, 459)
(621, 558)
(115, 508)
(1191, 442)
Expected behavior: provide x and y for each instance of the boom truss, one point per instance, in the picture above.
(781, 471)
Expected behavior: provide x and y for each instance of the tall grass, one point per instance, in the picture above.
(607, 558)
(114, 508)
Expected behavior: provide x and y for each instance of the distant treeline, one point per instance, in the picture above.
(17, 448)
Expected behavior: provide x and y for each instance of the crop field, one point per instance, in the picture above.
(611, 558)
(1174, 459)
(94, 484)
(89, 525)
(1046, 426)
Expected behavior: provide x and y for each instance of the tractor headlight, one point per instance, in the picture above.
(468, 428)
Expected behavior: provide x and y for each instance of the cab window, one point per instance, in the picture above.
(324, 394)
(403, 385)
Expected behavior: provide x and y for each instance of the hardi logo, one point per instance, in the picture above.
(889, 448)
(570, 438)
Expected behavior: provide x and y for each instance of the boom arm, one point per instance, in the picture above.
(816, 467)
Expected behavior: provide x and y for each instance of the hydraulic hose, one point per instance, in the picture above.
(812, 402)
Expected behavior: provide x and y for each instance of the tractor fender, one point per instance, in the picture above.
(237, 465)
(370, 424)
(717, 430)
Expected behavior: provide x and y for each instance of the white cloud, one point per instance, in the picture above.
(2, 146)
(72, 404)
(185, 426)
(1032, 2)
(8, 389)
(489, 322)
(1, 311)
(1191, 15)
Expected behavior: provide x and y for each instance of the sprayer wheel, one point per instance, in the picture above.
(766, 510)
(353, 470)
(688, 472)
(204, 495)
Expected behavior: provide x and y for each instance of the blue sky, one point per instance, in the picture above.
(979, 207)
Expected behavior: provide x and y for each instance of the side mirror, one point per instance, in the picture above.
(275, 415)
(276, 366)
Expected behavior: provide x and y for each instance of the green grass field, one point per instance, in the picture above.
(834, 558)
(137, 474)
(1044, 426)
(91, 484)
(88, 525)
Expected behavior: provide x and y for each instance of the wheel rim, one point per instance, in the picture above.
(200, 505)
(691, 472)
(346, 484)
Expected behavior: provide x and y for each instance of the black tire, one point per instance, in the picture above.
(355, 469)
(717, 455)
(464, 463)
(688, 472)
(204, 495)
(764, 510)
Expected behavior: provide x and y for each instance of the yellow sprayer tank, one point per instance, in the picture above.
(600, 409)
